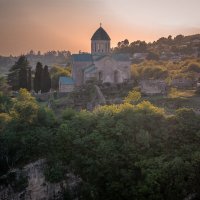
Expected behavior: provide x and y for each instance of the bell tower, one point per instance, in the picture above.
(100, 42)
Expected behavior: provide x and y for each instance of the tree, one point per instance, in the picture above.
(57, 71)
(29, 82)
(152, 56)
(179, 38)
(25, 108)
(38, 77)
(4, 87)
(46, 80)
(18, 74)
(126, 42)
(133, 97)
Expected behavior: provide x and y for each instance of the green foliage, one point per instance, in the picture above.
(125, 151)
(173, 93)
(5, 103)
(20, 74)
(42, 80)
(133, 97)
(46, 80)
(147, 107)
(194, 67)
(56, 72)
(154, 72)
(46, 117)
(166, 46)
(24, 108)
(38, 77)
(152, 56)
(4, 87)
(167, 70)
(68, 114)
(134, 47)
(4, 120)
(122, 147)
(26, 131)
(54, 172)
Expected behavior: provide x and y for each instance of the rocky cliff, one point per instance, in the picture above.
(29, 183)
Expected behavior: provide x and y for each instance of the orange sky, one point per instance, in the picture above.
(69, 24)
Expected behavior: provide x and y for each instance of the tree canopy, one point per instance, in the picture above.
(133, 150)
(20, 74)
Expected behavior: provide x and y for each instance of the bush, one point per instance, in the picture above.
(133, 97)
(194, 67)
(151, 72)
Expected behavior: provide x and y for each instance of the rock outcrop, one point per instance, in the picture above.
(29, 183)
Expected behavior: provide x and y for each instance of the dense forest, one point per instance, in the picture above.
(133, 150)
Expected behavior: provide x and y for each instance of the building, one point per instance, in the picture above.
(100, 65)
(66, 84)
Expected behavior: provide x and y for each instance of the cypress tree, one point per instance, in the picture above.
(17, 77)
(38, 77)
(46, 80)
(29, 80)
(23, 77)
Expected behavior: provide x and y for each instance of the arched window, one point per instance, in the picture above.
(100, 76)
(116, 76)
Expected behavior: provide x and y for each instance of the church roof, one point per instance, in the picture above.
(121, 57)
(66, 80)
(100, 34)
(90, 68)
(118, 57)
(97, 58)
(82, 57)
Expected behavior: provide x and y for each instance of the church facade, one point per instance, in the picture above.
(100, 65)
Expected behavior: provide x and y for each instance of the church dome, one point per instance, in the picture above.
(100, 34)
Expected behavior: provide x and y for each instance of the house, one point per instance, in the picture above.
(66, 84)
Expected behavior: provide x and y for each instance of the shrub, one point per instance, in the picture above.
(133, 97)
(194, 67)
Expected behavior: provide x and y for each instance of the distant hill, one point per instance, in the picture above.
(164, 48)
(61, 58)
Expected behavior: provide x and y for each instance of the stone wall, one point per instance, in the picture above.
(153, 87)
(183, 83)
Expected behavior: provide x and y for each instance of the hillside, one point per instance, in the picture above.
(50, 58)
(154, 155)
(168, 48)
(174, 49)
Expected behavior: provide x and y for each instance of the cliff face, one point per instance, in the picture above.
(29, 184)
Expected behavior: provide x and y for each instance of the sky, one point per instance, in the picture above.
(69, 24)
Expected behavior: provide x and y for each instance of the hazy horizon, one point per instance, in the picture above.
(69, 24)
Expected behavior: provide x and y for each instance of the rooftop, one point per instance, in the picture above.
(66, 80)
(90, 68)
(82, 57)
(121, 57)
(100, 34)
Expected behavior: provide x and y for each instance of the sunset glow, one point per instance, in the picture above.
(69, 24)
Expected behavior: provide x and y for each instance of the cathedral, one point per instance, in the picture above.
(100, 65)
